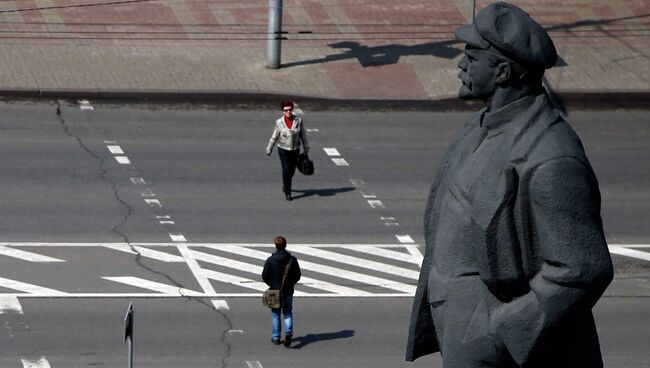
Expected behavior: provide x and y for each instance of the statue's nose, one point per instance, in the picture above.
(462, 64)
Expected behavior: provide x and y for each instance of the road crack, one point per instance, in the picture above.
(138, 256)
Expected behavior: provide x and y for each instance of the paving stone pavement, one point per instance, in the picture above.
(341, 49)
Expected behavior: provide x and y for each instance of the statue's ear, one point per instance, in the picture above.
(504, 72)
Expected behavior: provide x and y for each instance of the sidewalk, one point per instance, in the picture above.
(375, 50)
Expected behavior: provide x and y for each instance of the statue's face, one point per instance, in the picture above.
(477, 74)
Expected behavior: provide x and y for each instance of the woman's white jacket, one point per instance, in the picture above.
(288, 139)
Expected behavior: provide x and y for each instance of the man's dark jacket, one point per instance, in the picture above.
(274, 271)
(538, 238)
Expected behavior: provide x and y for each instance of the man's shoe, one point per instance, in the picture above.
(275, 342)
(288, 197)
(287, 340)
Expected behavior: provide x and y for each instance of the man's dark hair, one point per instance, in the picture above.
(280, 242)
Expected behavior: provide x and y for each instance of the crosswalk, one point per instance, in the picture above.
(111, 270)
(217, 269)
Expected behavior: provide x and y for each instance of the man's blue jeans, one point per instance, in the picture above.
(287, 311)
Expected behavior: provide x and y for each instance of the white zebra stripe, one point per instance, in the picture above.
(10, 304)
(257, 270)
(155, 286)
(360, 262)
(41, 363)
(26, 256)
(29, 288)
(328, 270)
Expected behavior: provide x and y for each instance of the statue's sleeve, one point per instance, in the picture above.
(563, 204)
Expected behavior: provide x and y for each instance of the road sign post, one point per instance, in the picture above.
(128, 332)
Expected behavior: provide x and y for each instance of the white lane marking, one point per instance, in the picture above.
(257, 270)
(367, 196)
(216, 245)
(232, 332)
(146, 252)
(154, 286)
(357, 182)
(415, 252)
(212, 295)
(631, 245)
(327, 270)
(313, 130)
(220, 305)
(630, 253)
(197, 271)
(375, 203)
(10, 304)
(167, 222)
(331, 151)
(360, 262)
(138, 181)
(116, 150)
(85, 105)
(41, 363)
(29, 288)
(340, 162)
(254, 364)
(381, 252)
(405, 239)
(168, 217)
(147, 193)
(234, 280)
(123, 160)
(153, 202)
(391, 223)
(177, 237)
(27, 256)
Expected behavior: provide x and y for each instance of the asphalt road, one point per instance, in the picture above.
(198, 186)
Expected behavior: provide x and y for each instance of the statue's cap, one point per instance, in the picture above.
(513, 32)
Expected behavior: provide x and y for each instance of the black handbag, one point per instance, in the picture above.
(272, 298)
(305, 165)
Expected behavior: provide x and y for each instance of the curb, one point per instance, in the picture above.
(573, 99)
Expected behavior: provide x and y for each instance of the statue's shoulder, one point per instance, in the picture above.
(556, 140)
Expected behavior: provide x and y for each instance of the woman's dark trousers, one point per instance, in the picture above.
(288, 159)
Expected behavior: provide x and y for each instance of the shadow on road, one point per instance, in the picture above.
(301, 341)
(370, 56)
(321, 192)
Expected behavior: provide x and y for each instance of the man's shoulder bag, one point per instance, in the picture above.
(272, 298)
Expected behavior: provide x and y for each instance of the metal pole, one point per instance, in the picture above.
(473, 11)
(130, 342)
(273, 43)
(128, 332)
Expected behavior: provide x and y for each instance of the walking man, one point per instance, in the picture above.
(282, 271)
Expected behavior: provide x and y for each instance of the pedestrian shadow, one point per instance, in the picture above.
(305, 340)
(370, 56)
(330, 192)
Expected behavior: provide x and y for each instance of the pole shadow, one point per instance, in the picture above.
(371, 56)
(329, 192)
(305, 340)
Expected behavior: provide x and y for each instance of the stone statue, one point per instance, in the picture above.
(515, 252)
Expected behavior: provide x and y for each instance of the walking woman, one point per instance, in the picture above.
(288, 134)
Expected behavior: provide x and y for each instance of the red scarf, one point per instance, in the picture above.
(289, 121)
